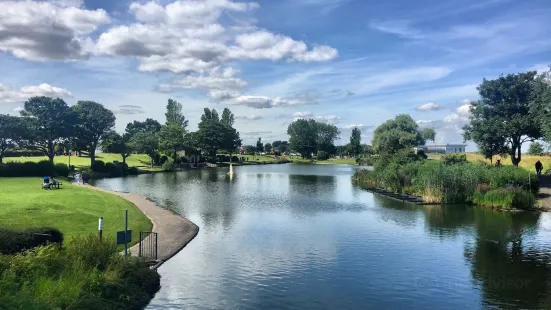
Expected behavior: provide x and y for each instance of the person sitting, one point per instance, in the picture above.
(46, 183)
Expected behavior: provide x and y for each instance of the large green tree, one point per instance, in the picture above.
(174, 115)
(397, 134)
(149, 125)
(541, 106)
(227, 118)
(356, 141)
(147, 143)
(303, 137)
(429, 134)
(215, 133)
(49, 122)
(231, 140)
(259, 146)
(112, 142)
(11, 133)
(505, 110)
(326, 134)
(171, 137)
(280, 146)
(536, 148)
(93, 121)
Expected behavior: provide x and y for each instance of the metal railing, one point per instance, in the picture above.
(148, 245)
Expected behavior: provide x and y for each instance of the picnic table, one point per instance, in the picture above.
(53, 184)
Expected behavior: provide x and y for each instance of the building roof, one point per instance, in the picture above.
(444, 145)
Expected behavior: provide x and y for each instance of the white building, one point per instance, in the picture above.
(442, 148)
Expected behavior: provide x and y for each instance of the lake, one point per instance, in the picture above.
(304, 237)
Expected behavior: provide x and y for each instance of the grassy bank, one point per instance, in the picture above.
(135, 160)
(528, 161)
(331, 161)
(85, 273)
(73, 209)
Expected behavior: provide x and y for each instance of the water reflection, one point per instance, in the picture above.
(303, 237)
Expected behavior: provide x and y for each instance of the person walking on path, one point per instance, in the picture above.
(539, 167)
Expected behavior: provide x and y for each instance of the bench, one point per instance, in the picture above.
(50, 185)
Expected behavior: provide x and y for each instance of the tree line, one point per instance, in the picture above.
(50, 126)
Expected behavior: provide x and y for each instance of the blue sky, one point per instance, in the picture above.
(345, 62)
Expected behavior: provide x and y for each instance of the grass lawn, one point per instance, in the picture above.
(527, 161)
(135, 160)
(331, 161)
(73, 209)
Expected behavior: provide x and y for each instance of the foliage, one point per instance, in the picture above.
(322, 155)
(48, 122)
(428, 134)
(280, 146)
(147, 143)
(93, 121)
(504, 113)
(227, 118)
(168, 165)
(250, 149)
(86, 274)
(397, 134)
(511, 197)
(268, 148)
(33, 169)
(309, 136)
(174, 115)
(355, 141)
(17, 240)
(454, 159)
(98, 166)
(211, 133)
(326, 134)
(133, 171)
(536, 148)
(113, 142)
(149, 125)
(11, 133)
(541, 105)
(171, 139)
(259, 146)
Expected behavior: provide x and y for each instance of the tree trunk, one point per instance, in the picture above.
(51, 152)
(515, 149)
(152, 160)
(123, 158)
(92, 153)
(1, 158)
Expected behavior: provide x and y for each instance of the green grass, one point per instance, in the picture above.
(527, 161)
(135, 160)
(331, 161)
(73, 209)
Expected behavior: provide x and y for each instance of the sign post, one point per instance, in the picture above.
(100, 227)
(125, 233)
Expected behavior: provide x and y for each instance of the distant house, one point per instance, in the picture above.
(442, 148)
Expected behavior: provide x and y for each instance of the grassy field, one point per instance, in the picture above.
(72, 209)
(527, 161)
(135, 160)
(331, 161)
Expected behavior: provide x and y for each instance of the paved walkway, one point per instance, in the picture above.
(544, 194)
(174, 231)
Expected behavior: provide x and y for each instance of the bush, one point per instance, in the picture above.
(33, 169)
(157, 159)
(87, 274)
(133, 171)
(17, 240)
(169, 165)
(322, 155)
(454, 159)
(511, 197)
(163, 159)
(98, 166)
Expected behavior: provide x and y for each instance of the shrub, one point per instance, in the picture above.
(133, 171)
(511, 197)
(169, 165)
(17, 240)
(98, 166)
(32, 169)
(61, 170)
(157, 159)
(322, 155)
(454, 159)
(163, 159)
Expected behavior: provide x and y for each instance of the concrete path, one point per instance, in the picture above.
(174, 231)
(544, 194)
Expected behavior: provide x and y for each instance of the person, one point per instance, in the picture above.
(539, 167)
(84, 178)
(498, 163)
(77, 178)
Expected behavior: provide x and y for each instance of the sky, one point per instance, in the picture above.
(351, 63)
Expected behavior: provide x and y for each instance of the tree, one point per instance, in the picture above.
(541, 106)
(397, 134)
(326, 135)
(355, 141)
(211, 136)
(113, 142)
(280, 146)
(146, 142)
(149, 125)
(367, 149)
(303, 137)
(227, 118)
(231, 140)
(49, 121)
(535, 148)
(174, 114)
(250, 149)
(259, 146)
(267, 148)
(428, 134)
(11, 133)
(171, 137)
(210, 115)
(505, 110)
(93, 120)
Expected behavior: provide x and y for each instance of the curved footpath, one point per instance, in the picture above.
(174, 231)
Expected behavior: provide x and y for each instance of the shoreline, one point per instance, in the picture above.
(174, 231)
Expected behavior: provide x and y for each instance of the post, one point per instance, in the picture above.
(125, 233)
(100, 227)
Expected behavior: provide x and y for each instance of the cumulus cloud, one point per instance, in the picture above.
(430, 106)
(42, 31)
(352, 126)
(8, 95)
(249, 117)
(329, 119)
(264, 102)
(129, 109)
(450, 128)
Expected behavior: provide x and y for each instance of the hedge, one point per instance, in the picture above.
(17, 240)
(33, 169)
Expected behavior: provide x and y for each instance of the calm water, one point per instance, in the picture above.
(303, 237)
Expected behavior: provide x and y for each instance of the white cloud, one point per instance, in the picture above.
(450, 128)
(18, 109)
(430, 106)
(249, 117)
(329, 119)
(129, 109)
(352, 126)
(42, 31)
(8, 95)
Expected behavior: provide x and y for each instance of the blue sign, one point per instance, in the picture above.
(121, 234)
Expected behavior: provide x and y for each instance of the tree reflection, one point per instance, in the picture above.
(446, 221)
(510, 274)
